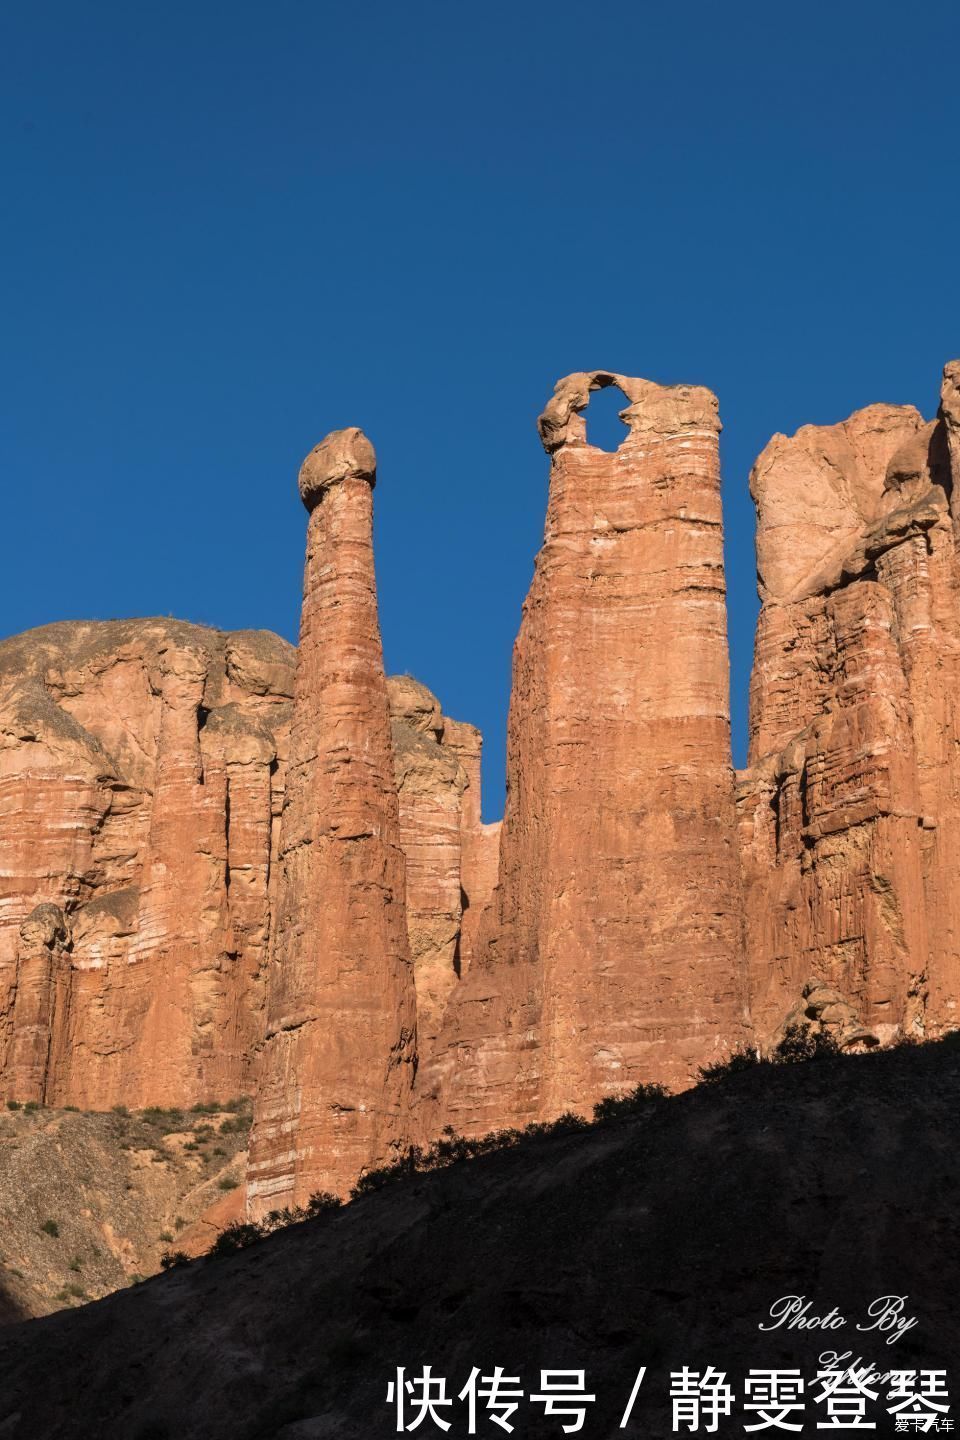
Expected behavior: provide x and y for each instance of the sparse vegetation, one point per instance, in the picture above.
(120, 1110)
(227, 1182)
(799, 1045)
(13, 1104)
(166, 1237)
(165, 1120)
(50, 1227)
(734, 1064)
(171, 1258)
(237, 1237)
(452, 1148)
(76, 1264)
(72, 1292)
(625, 1107)
(32, 1105)
(320, 1203)
(236, 1125)
(243, 1233)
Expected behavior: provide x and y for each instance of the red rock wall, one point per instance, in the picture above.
(140, 762)
(848, 809)
(142, 771)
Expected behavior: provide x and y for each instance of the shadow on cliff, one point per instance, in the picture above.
(658, 1240)
(11, 1311)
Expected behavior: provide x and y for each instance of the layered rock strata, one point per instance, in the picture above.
(615, 956)
(141, 773)
(338, 1061)
(850, 806)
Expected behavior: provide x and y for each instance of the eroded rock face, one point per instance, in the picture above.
(142, 772)
(615, 954)
(141, 765)
(337, 1066)
(451, 856)
(479, 842)
(430, 786)
(848, 809)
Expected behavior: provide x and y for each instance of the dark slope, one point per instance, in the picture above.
(660, 1242)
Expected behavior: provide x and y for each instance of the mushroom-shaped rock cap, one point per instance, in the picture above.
(341, 455)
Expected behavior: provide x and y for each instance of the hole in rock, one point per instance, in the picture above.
(605, 429)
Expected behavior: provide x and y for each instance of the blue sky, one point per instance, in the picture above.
(227, 229)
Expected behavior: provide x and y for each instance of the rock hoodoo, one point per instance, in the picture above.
(338, 1059)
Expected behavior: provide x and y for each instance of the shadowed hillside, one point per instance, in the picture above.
(658, 1241)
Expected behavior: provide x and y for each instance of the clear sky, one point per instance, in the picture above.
(229, 228)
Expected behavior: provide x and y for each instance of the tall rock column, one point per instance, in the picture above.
(337, 1064)
(616, 957)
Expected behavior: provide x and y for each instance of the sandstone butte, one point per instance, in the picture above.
(231, 866)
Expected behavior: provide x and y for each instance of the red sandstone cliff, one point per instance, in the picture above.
(850, 816)
(181, 921)
(139, 824)
(141, 764)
